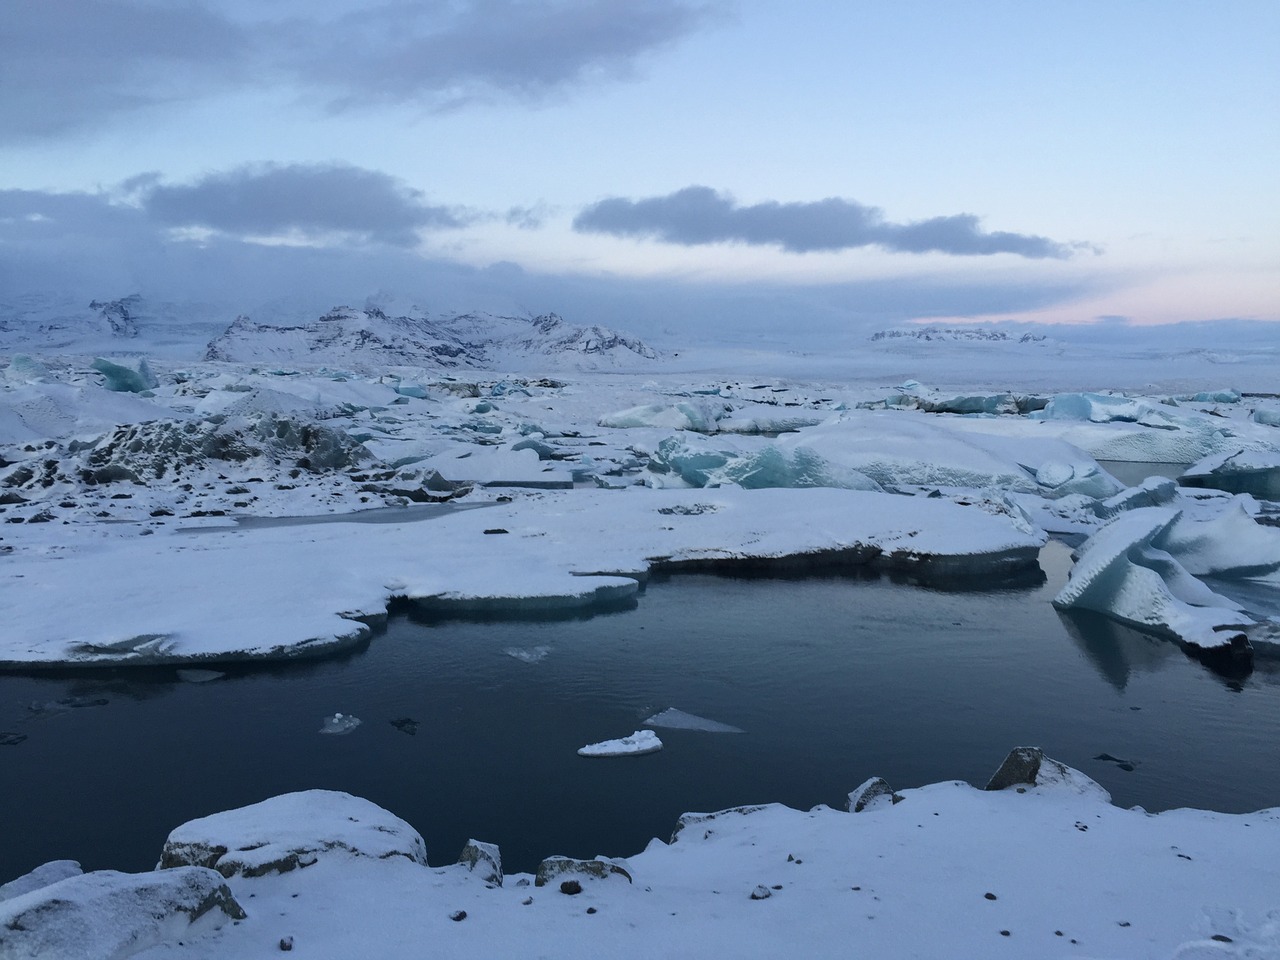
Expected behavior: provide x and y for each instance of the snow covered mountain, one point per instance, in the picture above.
(955, 334)
(368, 336)
(55, 323)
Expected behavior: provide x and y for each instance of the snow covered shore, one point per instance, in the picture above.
(1044, 867)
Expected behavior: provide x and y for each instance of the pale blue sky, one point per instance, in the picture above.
(1120, 157)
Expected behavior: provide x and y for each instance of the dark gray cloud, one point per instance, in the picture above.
(312, 199)
(66, 64)
(442, 54)
(699, 215)
(72, 64)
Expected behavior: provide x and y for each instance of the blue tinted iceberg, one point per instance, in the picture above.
(1143, 568)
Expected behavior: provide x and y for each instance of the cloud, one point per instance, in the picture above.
(699, 215)
(445, 54)
(307, 199)
(67, 65)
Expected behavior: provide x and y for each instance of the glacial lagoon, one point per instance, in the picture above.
(470, 727)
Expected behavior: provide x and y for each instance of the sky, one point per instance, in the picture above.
(718, 165)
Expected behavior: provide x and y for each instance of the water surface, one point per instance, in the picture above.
(834, 679)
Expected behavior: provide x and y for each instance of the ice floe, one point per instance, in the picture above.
(673, 719)
(638, 743)
(339, 724)
(191, 599)
(1255, 472)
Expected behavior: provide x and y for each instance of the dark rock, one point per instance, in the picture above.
(286, 943)
(553, 867)
(570, 887)
(761, 892)
(458, 915)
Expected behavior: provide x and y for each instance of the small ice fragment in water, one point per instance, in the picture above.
(642, 741)
(199, 676)
(528, 654)
(339, 724)
(673, 719)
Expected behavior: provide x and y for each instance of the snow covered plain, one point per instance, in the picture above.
(138, 501)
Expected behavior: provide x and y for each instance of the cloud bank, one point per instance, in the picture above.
(72, 64)
(700, 215)
(307, 199)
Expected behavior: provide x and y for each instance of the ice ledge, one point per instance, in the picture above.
(275, 593)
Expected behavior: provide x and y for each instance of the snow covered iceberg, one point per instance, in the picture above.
(1143, 568)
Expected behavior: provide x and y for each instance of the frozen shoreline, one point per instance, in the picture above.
(1040, 863)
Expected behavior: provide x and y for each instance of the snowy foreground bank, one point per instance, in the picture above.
(1039, 864)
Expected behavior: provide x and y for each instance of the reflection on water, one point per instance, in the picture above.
(834, 679)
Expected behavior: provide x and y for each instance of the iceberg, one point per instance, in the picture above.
(640, 742)
(700, 416)
(1255, 472)
(1131, 571)
(123, 378)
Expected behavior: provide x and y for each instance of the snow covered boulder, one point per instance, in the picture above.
(482, 859)
(1128, 570)
(1255, 472)
(1028, 767)
(41, 876)
(872, 793)
(107, 915)
(291, 831)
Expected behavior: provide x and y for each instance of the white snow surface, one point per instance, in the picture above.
(943, 873)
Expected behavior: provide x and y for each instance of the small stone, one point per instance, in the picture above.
(777, 886)
(591, 909)
(1221, 938)
(571, 887)
(990, 896)
(1005, 933)
(526, 901)
(458, 915)
(286, 944)
(761, 892)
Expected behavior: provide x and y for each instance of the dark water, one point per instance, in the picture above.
(1132, 473)
(834, 680)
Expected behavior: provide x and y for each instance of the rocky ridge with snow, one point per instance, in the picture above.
(370, 337)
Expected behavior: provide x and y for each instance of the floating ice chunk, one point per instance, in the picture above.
(673, 719)
(340, 724)
(1230, 545)
(528, 654)
(25, 369)
(497, 468)
(1104, 408)
(1059, 478)
(1256, 472)
(699, 415)
(1152, 492)
(1217, 396)
(122, 378)
(1127, 571)
(642, 741)
(1269, 417)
